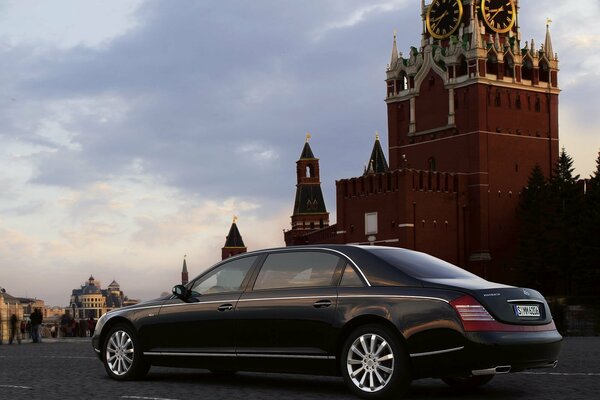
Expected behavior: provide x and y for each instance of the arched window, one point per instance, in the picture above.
(509, 66)
(432, 164)
(544, 71)
(310, 171)
(527, 70)
(492, 64)
(463, 67)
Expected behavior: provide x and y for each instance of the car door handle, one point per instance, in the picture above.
(322, 303)
(225, 307)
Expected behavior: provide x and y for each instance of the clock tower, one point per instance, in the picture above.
(470, 112)
(476, 101)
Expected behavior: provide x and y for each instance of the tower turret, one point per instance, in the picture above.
(184, 273)
(234, 244)
(310, 212)
(377, 163)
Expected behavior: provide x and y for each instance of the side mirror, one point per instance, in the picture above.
(180, 292)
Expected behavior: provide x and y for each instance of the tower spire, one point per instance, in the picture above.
(234, 244)
(394, 59)
(184, 272)
(548, 42)
(475, 33)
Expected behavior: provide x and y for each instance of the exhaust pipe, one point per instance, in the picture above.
(501, 369)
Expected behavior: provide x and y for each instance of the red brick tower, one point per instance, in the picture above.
(310, 213)
(234, 244)
(475, 102)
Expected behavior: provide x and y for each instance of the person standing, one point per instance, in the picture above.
(36, 322)
(13, 329)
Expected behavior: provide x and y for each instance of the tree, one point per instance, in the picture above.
(564, 233)
(589, 277)
(533, 215)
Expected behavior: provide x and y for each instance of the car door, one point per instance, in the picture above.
(287, 315)
(203, 325)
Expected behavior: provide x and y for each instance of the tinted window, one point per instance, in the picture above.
(226, 278)
(351, 278)
(296, 269)
(421, 265)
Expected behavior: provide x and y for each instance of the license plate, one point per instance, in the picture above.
(527, 311)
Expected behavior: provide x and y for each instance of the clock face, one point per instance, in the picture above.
(443, 17)
(499, 15)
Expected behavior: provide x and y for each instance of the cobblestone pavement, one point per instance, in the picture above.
(69, 369)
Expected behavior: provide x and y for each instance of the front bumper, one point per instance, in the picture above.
(493, 351)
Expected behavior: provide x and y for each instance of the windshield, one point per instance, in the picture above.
(421, 265)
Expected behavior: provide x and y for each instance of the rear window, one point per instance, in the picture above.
(421, 265)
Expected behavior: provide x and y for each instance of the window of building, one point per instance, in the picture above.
(432, 164)
(226, 278)
(509, 67)
(296, 270)
(371, 223)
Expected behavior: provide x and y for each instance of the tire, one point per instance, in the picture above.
(374, 363)
(122, 354)
(467, 382)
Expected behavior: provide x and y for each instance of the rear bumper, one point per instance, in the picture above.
(484, 352)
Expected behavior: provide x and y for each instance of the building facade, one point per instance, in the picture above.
(91, 301)
(470, 112)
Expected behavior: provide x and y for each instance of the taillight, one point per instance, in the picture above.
(473, 315)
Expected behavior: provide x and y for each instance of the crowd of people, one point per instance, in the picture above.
(33, 328)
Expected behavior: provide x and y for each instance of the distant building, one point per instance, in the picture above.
(9, 305)
(184, 273)
(93, 301)
(234, 244)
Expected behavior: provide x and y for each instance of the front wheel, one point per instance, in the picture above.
(374, 363)
(123, 359)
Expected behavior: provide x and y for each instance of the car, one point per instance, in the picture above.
(378, 316)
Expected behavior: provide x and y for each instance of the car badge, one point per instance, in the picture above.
(526, 293)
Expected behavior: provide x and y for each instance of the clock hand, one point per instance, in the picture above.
(496, 13)
(440, 17)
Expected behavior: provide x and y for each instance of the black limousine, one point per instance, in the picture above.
(378, 316)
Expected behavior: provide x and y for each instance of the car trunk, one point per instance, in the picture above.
(506, 304)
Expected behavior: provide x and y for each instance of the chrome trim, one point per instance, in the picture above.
(97, 351)
(395, 297)
(501, 369)
(200, 302)
(251, 355)
(521, 300)
(284, 298)
(190, 354)
(431, 353)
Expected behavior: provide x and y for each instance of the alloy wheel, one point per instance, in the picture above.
(119, 353)
(370, 362)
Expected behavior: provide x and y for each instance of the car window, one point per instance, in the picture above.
(351, 278)
(421, 265)
(226, 278)
(297, 269)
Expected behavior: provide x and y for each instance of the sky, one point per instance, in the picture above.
(132, 131)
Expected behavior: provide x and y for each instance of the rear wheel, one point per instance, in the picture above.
(374, 363)
(467, 382)
(122, 355)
